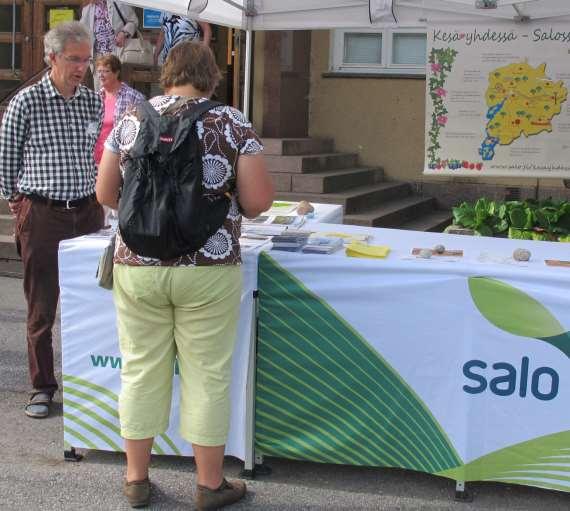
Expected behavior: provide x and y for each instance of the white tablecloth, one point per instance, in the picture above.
(455, 366)
(91, 358)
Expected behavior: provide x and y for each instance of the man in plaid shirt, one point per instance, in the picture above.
(47, 173)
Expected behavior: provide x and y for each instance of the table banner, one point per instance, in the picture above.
(92, 361)
(412, 365)
(497, 99)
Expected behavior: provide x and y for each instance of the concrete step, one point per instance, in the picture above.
(297, 146)
(393, 213)
(336, 180)
(328, 181)
(4, 209)
(8, 247)
(355, 199)
(6, 224)
(11, 268)
(311, 162)
(436, 221)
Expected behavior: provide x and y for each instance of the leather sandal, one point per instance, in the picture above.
(38, 405)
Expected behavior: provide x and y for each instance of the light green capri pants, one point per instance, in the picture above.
(168, 312)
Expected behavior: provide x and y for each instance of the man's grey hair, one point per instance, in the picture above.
(62, 34)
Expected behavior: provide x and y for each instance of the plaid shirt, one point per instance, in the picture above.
(126, 97)
(46, 142)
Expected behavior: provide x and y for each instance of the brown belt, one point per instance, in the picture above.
(62, 204)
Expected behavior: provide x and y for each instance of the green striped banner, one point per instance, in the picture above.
(85, 409)
(324, 394)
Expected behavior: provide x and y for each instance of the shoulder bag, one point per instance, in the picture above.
(136, 50)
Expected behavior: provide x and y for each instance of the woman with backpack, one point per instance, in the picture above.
(185, 307)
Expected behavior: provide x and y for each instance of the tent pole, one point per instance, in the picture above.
(247, 72)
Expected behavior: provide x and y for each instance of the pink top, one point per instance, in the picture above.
(107, 126)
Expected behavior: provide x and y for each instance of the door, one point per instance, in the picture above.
(46, 14)
(15, 59)
(23, 24)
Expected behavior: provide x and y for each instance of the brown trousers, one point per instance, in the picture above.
(39, 229)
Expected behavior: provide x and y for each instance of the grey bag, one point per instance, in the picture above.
(105, 269)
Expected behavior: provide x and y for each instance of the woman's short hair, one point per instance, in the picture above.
(62, 34)
(191, 63)
(109, 60)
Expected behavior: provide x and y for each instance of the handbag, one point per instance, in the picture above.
(136, 50)
(104, 273)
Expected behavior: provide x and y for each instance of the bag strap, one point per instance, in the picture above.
(190, 116)
(137, 31)
(199, 109)
(120, 13)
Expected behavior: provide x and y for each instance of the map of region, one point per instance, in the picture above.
(521, 100)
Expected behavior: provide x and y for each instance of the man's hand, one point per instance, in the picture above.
(15, 204)
(120, 39)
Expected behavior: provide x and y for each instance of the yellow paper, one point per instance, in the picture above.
(57, 16)
(367, 251)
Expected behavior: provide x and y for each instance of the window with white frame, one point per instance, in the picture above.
(375, 51)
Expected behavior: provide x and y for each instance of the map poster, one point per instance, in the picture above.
(497, 100)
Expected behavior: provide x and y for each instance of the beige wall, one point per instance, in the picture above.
(380, 118)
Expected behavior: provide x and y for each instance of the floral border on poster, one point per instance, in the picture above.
(440, 64)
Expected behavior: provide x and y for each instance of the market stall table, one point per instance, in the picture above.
(456, 365)
(91, 359)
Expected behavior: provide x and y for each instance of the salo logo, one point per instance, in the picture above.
(516, 312)
(504, 379)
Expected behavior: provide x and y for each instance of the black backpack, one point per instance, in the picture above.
(163, 210)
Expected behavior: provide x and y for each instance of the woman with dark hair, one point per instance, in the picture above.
(116, 95)
(186, 308)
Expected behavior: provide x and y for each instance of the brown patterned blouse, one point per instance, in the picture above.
(225, 134)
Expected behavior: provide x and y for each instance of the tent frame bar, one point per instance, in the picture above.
(484, 13)
(347, 5)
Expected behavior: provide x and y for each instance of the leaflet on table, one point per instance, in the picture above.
(281, 208)
(290, 240)
(322, 244)
(346, 238)
(289, 220)
(258, 231)
(367, 251)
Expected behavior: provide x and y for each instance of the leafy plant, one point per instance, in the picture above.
(529, 219)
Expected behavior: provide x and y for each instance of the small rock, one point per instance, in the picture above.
(305, 208)
(521, 254)
(439, 249)
(426, 253)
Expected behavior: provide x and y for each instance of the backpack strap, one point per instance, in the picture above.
(190, 116)
(196, 111)
(147, 139)
(148, 129)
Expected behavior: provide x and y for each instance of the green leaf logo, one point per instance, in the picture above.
(514, 311)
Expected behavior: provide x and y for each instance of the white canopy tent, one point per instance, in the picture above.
(325, 14)
(253, 15)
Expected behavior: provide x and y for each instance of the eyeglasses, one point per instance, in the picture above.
(77, 61)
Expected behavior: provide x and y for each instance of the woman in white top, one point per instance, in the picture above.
(104, 19)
